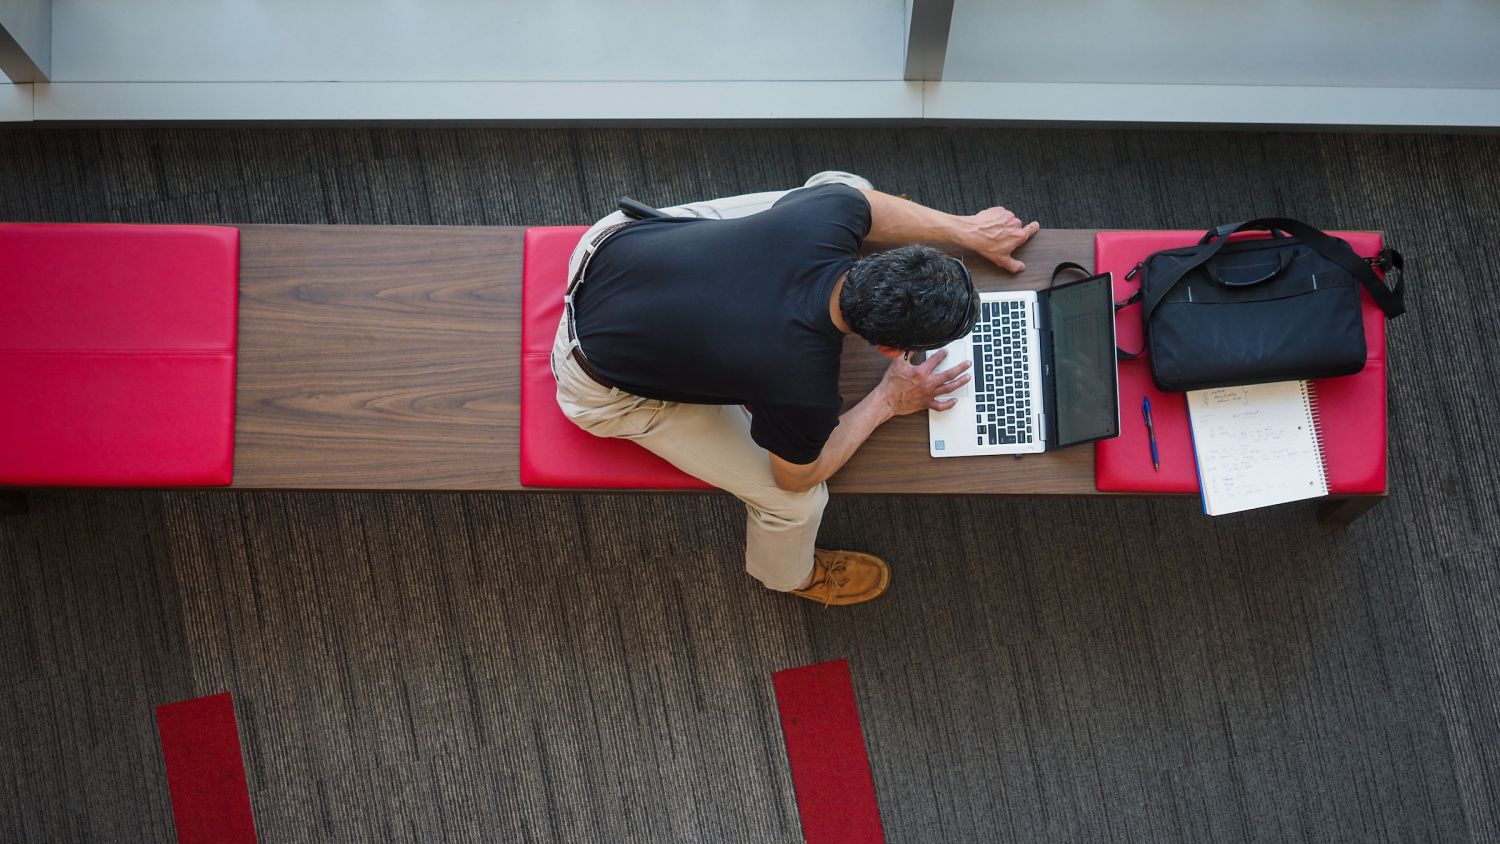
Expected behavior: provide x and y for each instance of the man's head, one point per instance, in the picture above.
(912, 299)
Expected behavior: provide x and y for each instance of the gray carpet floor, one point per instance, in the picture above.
(421, 668)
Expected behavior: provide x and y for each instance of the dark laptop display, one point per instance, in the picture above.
(1081, 380)
(1044, 374)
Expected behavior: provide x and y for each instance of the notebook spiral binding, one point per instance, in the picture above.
(1315, 422)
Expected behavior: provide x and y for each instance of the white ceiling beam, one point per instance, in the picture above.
(927, 28)
(26, 40)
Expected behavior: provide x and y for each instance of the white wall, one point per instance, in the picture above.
(15, 103)
(476, 40)
(1357, 43)
(1351, 63)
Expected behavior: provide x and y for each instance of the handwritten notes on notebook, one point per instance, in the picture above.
(1257, 445)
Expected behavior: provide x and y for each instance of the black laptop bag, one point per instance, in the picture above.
(1283, 308)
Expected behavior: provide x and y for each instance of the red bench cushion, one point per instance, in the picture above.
(554, 451)
(117, 354)
(1353, 407)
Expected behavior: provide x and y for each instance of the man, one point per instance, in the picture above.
(714, 338)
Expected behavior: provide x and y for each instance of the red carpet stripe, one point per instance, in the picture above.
(205, 772)
(830, 769)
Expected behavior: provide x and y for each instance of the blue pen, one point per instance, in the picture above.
(1151, 432)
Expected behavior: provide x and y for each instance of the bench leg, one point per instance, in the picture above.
(1344, 511)
(12, 502)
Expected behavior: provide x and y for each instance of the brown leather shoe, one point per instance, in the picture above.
(845, 577)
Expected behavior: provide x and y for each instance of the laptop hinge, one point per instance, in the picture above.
(1045, 395)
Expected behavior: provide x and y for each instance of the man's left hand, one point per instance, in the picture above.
(995, 233)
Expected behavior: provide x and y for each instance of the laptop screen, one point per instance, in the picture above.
(1087, 405)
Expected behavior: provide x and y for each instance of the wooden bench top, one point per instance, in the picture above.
(387, 357)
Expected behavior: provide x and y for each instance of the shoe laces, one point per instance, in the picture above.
(835, 577)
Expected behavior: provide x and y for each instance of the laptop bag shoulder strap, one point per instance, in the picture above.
(1390, 299)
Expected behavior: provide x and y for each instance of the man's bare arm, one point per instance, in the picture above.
(994, 232)
(904, 389)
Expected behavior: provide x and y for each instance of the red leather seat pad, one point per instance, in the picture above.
(554, 451)
(1353, 407)
(117, 354)
(93, 419)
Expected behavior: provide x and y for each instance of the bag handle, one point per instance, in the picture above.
(1390, 299)
(1276, 234)
(1285, 259)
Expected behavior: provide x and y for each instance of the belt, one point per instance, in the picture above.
(588, 255)
(577, 279)
(583, 363)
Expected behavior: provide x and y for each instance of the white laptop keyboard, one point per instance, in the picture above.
(1002, 381)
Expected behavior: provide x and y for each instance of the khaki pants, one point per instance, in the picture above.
(709, 442)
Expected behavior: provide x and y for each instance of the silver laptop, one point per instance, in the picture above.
(1044, 374)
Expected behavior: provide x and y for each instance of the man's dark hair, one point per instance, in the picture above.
(914, 298)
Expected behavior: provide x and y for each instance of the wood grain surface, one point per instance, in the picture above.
(895, 459)
(379, 357)
(386, 357)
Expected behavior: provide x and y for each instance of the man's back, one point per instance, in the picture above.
(729, 311)
(673, 323)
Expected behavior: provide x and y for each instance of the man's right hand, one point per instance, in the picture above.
(907, 389)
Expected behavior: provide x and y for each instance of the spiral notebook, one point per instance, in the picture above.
(1257, 446)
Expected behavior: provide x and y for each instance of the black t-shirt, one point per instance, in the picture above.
(730, 312)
